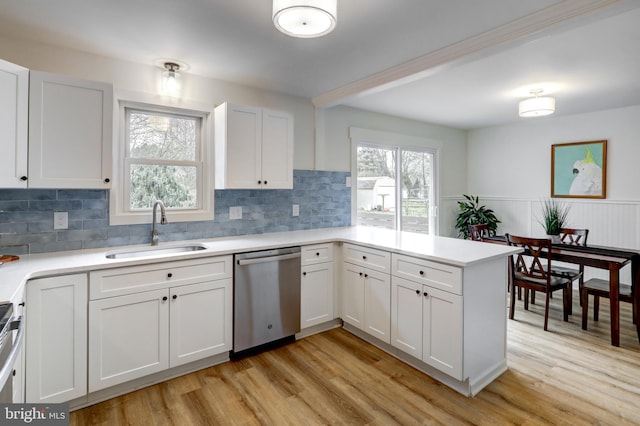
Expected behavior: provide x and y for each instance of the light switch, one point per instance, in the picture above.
(296, 210)
(60, 220)
(235, 212)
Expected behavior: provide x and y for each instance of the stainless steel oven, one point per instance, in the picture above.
(9, 349)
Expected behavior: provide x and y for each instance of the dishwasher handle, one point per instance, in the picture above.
(266, 259)
(7, 368)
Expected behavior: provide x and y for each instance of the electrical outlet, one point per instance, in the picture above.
(235, 213)
(348, 182)
(60, 220)
(296, 210)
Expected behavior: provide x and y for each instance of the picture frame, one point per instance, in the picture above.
(579, 169)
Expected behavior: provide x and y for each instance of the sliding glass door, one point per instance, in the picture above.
(395, 187)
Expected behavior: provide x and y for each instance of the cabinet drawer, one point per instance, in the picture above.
(135, 279)
(318, 253)
(434, 274)
(371, 258)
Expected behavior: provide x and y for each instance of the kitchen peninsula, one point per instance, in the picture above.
(437, 303)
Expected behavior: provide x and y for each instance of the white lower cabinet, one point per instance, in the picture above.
(316, 294)
(56, 339)
(139, 334)
(317, 285)
(367, 300)
(427, 324)
(129, 338)
(200, 321)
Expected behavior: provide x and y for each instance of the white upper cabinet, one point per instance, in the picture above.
(14, 125)
(254, 148)
(70, 132)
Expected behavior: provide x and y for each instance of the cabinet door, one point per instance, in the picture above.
(406, 316)
(56, 339)
(201, 320)
(353, 295)
(128, 337)
(442, 331)
(14, 125)
(70, 127)
(277, 149)
(316, 294)
(377, 302)
(238, 146)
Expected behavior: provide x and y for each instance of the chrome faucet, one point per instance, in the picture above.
(163, 220)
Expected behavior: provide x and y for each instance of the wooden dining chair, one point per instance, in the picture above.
(529, 270)
(600, 288)
(478, 232)
(572, 237)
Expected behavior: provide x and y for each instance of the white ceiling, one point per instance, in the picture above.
(461, 63)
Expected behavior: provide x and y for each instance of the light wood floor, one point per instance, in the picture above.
(561, 377)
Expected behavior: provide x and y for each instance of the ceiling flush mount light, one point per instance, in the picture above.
(171, 79)
(536, 106)
(305, 18)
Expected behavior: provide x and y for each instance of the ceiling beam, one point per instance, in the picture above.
(508, 33)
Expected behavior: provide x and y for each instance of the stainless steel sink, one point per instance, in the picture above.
(155, 251)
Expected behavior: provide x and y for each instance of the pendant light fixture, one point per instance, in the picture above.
(305, 18)
(537, 106)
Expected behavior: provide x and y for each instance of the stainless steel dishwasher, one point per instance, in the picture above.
(266, 297)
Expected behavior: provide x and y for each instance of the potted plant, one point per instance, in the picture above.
(554, 217)
(470, 212)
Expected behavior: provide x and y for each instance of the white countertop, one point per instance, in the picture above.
(452, 251)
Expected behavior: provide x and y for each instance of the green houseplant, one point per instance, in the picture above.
(554, 216)
(470, 212)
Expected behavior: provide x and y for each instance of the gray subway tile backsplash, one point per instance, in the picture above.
(26, 215)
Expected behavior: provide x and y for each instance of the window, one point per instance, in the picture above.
(163, 155)
(395, 185)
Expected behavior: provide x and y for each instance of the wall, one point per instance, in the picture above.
(26, 215)
(331, 153)
(509, 167)
(335, 147)
(130, 76)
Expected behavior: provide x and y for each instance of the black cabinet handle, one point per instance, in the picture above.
(366, 275)
(265, 182)
(360, 273)
(318, 254)
(304, 273)
(174, 297)
(169, 275)
(425, 294)
(259, 182)
(23, 178)
(164, 299)
(421, 272)
(364, 257)
(417, 291)
(107, 180)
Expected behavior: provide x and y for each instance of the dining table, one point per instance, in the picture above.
(610, 258)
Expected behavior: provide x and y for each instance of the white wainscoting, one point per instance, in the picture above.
(610, 223)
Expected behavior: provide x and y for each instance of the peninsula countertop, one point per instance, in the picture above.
(451, 251)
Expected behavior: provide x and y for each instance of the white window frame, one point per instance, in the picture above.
(397, 142)
(119, 212)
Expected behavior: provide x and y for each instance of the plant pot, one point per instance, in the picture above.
(555, 239)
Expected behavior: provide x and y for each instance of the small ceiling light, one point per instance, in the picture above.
(537, 107)
(171, 79)
(305, 18)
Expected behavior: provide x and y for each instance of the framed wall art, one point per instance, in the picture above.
(579, 169)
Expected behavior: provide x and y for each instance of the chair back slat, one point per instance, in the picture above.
(479, 232)
(574, 237)
(535, 261)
